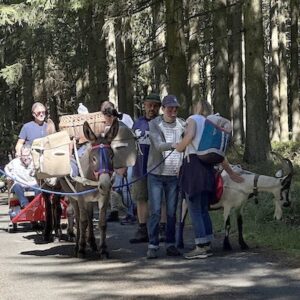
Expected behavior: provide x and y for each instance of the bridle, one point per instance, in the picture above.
(104, 166)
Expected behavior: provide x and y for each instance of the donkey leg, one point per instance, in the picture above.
(57, 212)
(82, 238)
(91, 235)
(71, 223)
(47, 235)
(242, 242)
(102, 227)
(226, 243)
(179, 233)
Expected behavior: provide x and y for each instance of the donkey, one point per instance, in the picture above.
(97, 166)
(235, 195)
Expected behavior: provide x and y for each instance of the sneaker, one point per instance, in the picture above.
(198, 252)
(141, 236)
(151, 253)
(208, 250)
(113, 217)
(172, 251)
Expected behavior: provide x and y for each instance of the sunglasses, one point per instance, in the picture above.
(40, 113)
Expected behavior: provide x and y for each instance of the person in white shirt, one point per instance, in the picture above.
(21, 171)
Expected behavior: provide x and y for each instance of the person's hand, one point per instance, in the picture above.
(236, 177)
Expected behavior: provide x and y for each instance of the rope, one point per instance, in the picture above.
(90, 190)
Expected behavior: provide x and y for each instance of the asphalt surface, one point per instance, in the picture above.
(31, 270)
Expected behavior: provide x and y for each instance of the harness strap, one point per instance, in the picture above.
(255, 189)
(71, 186)
(77, 159)
(85, 181)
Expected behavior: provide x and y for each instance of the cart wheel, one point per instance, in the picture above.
(12, 227)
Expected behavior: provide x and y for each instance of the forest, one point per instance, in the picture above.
(242, 56)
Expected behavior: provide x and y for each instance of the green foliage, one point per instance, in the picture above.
(12, 74)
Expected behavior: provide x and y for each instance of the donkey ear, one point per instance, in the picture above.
(88, 132)
(113, 131)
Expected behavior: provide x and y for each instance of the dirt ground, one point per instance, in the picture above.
(33, 270)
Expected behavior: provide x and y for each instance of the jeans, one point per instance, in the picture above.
(159, 185)
(19, 191)
(198, 210)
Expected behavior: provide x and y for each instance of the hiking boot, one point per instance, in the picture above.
(172, 251)
(208, 250)
(113, 217)
(151, 253)
(198, 252)
(141, 236)
(162, 232)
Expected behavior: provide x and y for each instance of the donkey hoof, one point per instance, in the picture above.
(80, 254)
(104, 254)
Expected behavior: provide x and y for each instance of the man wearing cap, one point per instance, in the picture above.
(165, 132)
(152, 105)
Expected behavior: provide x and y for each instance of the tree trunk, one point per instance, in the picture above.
(274, 115)
(27, 78)
(236, 72)
(194, 58)
(127, 107)
(295, 70)
(120, 57)
(221, 96)
(257, 139)
(158, 40)
(176, 55)
(283, 85)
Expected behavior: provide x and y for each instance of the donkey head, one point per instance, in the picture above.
(101, 155)
(285, 175)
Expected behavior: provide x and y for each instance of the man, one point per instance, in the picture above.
(163, 167)
(21, 170)
(35, 129)
(152, 105)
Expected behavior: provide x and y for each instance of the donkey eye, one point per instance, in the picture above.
(94, 159)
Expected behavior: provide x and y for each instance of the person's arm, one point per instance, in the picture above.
(188, 136)
(157, 139)
(19, 146)
(234, 176)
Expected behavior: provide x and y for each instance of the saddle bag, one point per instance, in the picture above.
(51, 155)
(212, 141)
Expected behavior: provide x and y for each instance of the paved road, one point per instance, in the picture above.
(30, 270)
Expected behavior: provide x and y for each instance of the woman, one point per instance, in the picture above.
(197, 181)
(35, 129)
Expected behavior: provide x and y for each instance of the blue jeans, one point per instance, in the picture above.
(159, 185)
(198, 210)
(19, 191)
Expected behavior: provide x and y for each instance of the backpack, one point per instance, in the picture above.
(213, 136)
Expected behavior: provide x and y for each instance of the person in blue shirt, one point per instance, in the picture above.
(35, 129)
(140, 127)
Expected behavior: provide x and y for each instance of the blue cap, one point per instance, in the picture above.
(170, 101)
